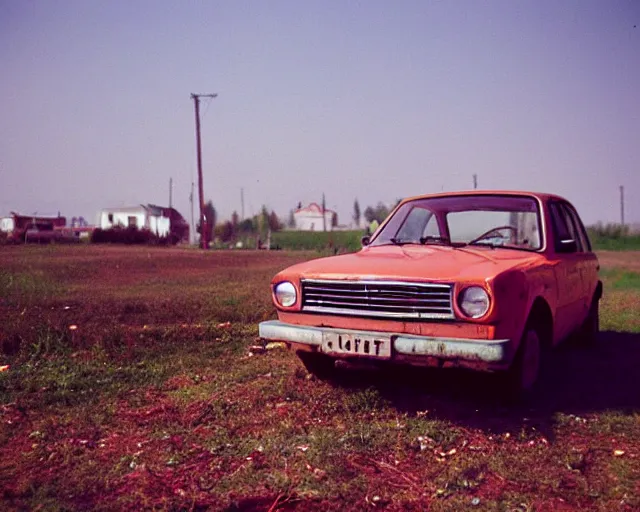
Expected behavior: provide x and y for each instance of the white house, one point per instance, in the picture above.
(311, 218)
(148, 217)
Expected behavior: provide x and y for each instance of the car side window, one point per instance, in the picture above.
(580, 229)
(560, 229)
(573, 229)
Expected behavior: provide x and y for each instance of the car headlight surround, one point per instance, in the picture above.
(285, 294)
(474, 301)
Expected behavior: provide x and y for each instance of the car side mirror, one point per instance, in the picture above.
(366, 240)
(567, 246)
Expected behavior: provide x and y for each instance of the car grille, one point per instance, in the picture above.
(378, 298)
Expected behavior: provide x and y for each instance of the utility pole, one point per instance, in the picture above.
(622, 204)
(324, 217)
(204, 222)
(193, 227)
(475, 181)
(242, 204)
(170, 191)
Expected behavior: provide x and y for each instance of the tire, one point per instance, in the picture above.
(590, 330)
(323, 367)
(523, 377)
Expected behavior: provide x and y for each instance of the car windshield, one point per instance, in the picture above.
(480, 220)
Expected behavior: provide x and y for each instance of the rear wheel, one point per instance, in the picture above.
(317, 364)
(590, 330)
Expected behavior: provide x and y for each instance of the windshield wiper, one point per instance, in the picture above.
(482, 244)
(440, 239)
(400, 241)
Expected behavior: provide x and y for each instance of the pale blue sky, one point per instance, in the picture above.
(373, 99)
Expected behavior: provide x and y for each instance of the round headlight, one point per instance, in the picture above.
(474, 301)
(285, 294)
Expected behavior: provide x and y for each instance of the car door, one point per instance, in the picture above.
(588, 265)
(568, 267)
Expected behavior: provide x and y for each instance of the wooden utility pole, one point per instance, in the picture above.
(170, 192)
(193, 227)
(324, 217)
(204, 222)
(622, 205)
(475, 181)
(242, 204)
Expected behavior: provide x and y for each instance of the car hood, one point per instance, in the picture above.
(415, 263)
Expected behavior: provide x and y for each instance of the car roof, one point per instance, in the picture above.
(543, 196)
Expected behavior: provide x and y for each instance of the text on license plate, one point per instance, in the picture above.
(356, 344)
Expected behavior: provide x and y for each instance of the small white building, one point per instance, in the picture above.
(148, 217)
(312, 218)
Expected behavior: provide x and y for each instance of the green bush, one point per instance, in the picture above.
(130, 235)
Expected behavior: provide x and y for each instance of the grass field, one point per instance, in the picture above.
(343, 241)
(132, 384)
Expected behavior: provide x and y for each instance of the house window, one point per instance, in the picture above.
(132, 221)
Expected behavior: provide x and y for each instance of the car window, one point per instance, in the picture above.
(580, 230)
(465, 226)
(414, 224)
(431, 229)
(560, 228)
(573, 231)
(507, 221)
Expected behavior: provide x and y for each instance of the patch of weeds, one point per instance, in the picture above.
(365, 436)
(616, 422)
(433, 432)
(64, 380)
(324, 444)
(45, 496)
(626, 473)
(364, 401)
(28, 287)
(49, 341)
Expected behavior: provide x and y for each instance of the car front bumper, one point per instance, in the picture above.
(405, 348)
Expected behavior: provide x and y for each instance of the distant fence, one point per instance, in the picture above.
(336, 241)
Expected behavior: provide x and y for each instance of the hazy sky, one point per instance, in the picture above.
(373, 99)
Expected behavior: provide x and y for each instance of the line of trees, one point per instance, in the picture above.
(377, 213)
(267, 220)
(235, 228)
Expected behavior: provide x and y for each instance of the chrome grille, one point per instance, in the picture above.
(378, 298)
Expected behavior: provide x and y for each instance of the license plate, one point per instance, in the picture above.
(356, 345)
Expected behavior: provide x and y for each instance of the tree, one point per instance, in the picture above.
(369, 214)
(274, 222)
(210, 216)
(227, 232)
(291, 223)
(334, 220)
(379, 213)
(356, 213)
(235, 219)
(246, 226)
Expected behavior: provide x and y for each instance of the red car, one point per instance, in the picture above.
(488, 280)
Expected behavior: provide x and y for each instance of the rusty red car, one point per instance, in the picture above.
(487, 280)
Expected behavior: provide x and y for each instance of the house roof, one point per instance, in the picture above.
(313, 208)
(125, 209)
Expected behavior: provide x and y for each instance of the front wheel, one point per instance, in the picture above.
(524, 375)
